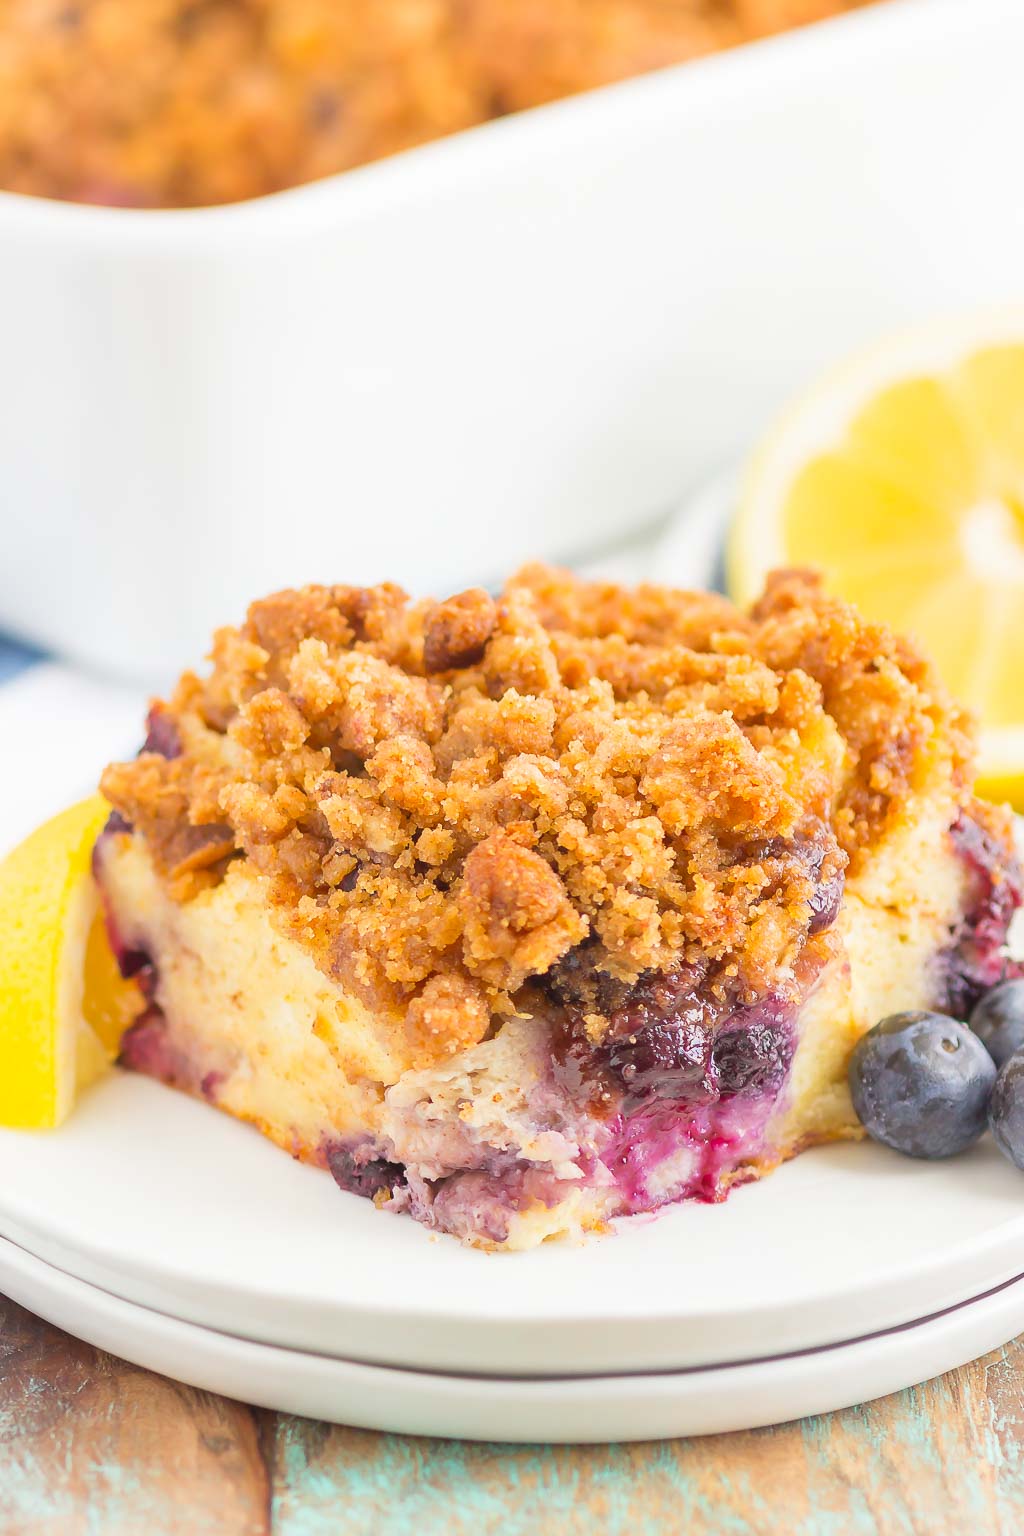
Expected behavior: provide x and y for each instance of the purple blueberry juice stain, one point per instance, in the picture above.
(133, 962)
(147, 1047)
(473, 1202)
(115, 822)
(135, 965)
(706, 1137)
(696, 1147)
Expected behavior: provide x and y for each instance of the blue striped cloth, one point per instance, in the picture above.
(14, 658)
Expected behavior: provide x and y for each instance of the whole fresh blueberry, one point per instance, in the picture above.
(1006, 1110)
(921, 1083)
(998, 1020)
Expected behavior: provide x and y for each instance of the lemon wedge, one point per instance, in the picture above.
(902, 478)
(63, 1004)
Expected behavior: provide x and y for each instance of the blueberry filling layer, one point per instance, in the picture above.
(675, 1110)
(678, 1040)
(700, 1082)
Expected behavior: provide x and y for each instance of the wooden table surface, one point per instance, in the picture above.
(91, 1446)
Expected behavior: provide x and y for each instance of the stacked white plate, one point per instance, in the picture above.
(167, 1233)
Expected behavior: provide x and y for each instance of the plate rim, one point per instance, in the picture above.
(573, 1334)
(638, 1406)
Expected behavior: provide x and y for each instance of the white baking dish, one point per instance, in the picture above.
(526, 339)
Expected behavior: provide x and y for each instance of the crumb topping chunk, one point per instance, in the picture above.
(574, 780)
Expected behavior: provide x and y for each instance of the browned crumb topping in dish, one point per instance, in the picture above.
(175, 103)
(574, 779)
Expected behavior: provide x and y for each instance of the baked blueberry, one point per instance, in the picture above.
(998, 1020)
(358, 1173)
(921, 1083)
(668, 1057)
(750, 1058)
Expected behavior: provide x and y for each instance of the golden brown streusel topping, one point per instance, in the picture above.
(447, 799)
(152, 103)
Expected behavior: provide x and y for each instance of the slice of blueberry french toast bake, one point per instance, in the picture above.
(519, 914)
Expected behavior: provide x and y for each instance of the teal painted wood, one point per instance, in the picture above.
(329, 1481)
(943, 1458)
(90, 1446)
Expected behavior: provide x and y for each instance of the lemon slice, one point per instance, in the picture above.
(63, 1004)
(902, 478)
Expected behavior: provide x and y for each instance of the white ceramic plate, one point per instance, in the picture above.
(597, 1409)
(162, 1201)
